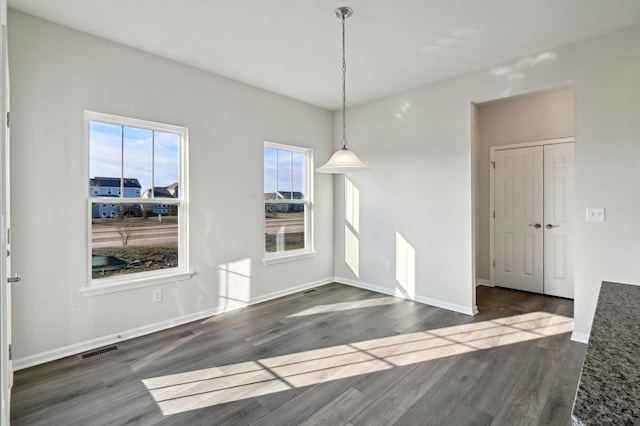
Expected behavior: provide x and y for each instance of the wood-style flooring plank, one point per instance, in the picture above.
(494, 385)
(436, 405)
(393, 404)
(345, 405)
(303, 406)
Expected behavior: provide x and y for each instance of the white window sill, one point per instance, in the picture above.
(122, 284)
(288, 257)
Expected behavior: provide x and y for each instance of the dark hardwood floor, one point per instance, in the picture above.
(334, 356)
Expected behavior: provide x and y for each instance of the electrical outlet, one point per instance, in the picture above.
(157, 295)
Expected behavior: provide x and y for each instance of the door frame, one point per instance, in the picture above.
(492, 219)
(6, 369)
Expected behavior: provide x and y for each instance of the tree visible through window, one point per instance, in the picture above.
(136, 196)
(287, 200)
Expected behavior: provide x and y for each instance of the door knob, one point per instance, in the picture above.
(536, 225)
(14, 279)
(549, 226)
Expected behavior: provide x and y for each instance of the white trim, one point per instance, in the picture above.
(494, 148)
(133, 122)
(288, 291)
(365, 286)
(115, 284)
(54, 354)
(492, 151)
(272, 260)
(485, 283)
(420, 299)
(6, 365)
(580, 337)
(471, 311)
(492, 219)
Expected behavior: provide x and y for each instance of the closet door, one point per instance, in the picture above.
(558, 208)
(518, 228)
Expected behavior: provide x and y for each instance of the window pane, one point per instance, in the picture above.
(105, 154)
(284, 227)
(130, 238)
(270, 172)
(284, 173)
(298, 175)
(166, 167)
(137, 161)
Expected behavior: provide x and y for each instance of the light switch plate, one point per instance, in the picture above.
(595, 214)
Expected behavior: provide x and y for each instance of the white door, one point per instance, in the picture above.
(558, 208)
(5, 260)
(518, 232)
(533, 203)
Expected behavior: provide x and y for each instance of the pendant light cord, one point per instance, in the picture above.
(344, 89)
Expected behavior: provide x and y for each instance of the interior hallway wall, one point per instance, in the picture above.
(530, 118)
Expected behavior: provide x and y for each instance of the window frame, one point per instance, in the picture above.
(182, 272)
(270, 258)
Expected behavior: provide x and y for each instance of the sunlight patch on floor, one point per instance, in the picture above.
(203, 388)
(346, 306)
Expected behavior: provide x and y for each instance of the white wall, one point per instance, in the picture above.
(56, 74)
(542, 116)
(419, 146)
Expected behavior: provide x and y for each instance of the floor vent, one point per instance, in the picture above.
(309, 291)
(99, 351)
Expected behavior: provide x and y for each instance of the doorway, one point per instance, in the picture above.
(532, 198)
(544, 115)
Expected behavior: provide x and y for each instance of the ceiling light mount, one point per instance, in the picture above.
(344, 12)
(343, 160)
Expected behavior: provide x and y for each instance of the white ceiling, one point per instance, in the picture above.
(292, 47)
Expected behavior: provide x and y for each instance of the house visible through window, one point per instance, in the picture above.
(136, 212)
(288, 202)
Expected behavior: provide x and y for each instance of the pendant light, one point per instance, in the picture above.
(343, 160)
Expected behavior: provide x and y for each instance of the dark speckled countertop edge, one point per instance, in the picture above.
(610, 379)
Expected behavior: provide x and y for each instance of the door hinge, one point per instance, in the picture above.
(493, 164)
(494, 214)
(10, 353)
(8, 119)
(494, 263)
(9, 236)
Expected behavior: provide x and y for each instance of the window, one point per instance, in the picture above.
(133, 166)
(288, 202)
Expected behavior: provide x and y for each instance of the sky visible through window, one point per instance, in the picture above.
(140, 156)
(283, 171)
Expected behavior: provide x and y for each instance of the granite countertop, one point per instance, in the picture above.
(609, 389)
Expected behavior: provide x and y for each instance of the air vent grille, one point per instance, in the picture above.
(309, 291)
(99, 351)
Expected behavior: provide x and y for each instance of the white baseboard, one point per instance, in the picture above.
(365, 286)
(420, 299)
(76, 348)
(486, 283)
(448, 306)
(580, 337)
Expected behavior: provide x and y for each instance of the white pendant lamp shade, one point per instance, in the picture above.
(343, 161)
